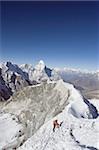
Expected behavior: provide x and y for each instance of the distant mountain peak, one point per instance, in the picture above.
(40, 65)
(41, 62)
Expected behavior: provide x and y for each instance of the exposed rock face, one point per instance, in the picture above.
(5, 90)
(15, 75)
(15, 78)
(34, 105)
(78, 129)
(12, 79)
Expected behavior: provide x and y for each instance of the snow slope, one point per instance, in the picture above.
(11, 131)
(74, 134)
(37, 106)
(78, 131)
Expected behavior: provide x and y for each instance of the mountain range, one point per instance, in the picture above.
(32, 98)
(14, 77)
(26, 119)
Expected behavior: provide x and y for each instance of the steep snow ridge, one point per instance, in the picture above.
(77, 132)
(73, 94)
(37, 106)
(78, 108)
(81, 109)
(95, 103)
(74, 134)
(11, 131)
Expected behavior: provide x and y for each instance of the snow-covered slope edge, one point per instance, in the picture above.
(76, 132)
(35, 105)
(12, 132)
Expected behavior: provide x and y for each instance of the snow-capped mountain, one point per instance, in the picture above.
(16, 77)
(87, 82)
(37, 96)
(12, 79)
(73, 70)
(70, 73)
(37, 106)
(40, 72)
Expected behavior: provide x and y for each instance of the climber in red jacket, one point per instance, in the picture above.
(55, 125)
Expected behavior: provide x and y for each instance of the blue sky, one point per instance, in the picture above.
(61, 33)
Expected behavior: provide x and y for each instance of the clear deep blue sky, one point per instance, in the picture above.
(61, 33)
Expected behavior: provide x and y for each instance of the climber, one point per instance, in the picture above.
(55, 125)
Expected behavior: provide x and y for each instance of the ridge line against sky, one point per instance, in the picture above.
(61, 33)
